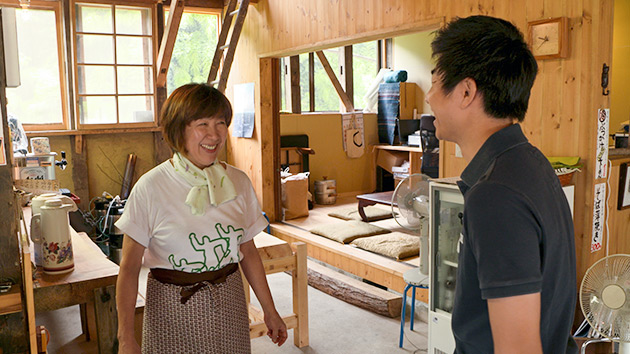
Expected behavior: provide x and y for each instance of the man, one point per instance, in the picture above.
(516, 281)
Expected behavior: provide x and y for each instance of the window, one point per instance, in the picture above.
(196, 41)
(323, 97)
(114, 65)
(39, 102)
(365, 68)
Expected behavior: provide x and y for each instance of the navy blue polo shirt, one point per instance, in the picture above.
(517, 239)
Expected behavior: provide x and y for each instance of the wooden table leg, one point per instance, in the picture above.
(300, 296)
(363, 203)
(84, 321)
(106, 319)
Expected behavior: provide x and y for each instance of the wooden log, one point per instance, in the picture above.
(353, 291)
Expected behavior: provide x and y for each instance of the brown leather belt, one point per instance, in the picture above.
(192, 282)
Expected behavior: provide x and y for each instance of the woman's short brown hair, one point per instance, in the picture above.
(189, 103)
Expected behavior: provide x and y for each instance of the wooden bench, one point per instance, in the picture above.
(364, 264)
(278, 256)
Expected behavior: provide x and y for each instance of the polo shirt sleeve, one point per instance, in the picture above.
(505, 238)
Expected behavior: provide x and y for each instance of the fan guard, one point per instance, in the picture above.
(411, 197)
(605, 297)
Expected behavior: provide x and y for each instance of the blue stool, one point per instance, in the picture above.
(414, 280)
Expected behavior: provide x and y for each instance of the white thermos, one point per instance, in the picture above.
(51, 228)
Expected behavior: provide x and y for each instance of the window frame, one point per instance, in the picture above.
(343, 66)
(152, 6)
(54, 6)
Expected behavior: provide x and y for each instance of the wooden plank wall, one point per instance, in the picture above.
(564, 102)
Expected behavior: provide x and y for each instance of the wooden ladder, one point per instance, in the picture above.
(222, 61)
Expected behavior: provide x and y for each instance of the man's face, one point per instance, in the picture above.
(442, 106)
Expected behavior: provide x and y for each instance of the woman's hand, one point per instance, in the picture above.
(276, 329)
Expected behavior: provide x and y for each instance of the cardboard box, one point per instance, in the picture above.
(387, 159)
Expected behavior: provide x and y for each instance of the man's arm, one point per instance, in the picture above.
(515, 323)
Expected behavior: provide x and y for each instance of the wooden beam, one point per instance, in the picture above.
(80, 171)
(294, 72)
(168, 41)
(299, 279)
(207, 4)
(345, 65)
(13, 334)
(311, 81)
(270, 136)
(106, 318)
(349, 107)
(354, 291)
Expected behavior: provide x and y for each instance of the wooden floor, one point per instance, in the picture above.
(376, 268)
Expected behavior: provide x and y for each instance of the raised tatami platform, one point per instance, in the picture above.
(376, 268)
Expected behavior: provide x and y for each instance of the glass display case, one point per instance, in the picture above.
(446, 215)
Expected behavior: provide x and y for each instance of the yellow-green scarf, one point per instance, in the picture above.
(210, 185)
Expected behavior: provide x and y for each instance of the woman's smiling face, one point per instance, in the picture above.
(204, 139)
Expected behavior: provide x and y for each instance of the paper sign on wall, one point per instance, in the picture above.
(599, 215)
(601, 159)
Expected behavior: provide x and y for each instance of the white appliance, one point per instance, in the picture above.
(446, 212)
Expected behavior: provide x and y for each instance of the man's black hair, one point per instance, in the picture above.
(492, 52)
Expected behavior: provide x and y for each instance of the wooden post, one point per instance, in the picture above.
(300, 295)
(294, 72)
(270, 136)
(13, 334)
(311, 81)
(347, 77)
(80, 171)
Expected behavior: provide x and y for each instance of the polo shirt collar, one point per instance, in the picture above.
(498, 143)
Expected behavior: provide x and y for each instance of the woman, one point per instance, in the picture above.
(193, 219)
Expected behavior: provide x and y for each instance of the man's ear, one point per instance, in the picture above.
(468, 88)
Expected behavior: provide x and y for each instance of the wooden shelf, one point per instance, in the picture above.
(11, 301)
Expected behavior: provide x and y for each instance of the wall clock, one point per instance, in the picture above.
(549, 38)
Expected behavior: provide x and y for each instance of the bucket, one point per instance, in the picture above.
(326, 191)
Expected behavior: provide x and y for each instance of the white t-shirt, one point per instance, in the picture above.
(157, 217)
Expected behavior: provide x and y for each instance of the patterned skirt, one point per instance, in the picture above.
(214, 320)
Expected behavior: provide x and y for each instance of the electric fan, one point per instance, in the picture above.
(605, 299)
(411, 198)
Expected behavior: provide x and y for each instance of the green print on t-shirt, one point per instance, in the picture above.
(217, 249)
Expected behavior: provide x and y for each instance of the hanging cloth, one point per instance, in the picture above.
(209, 186)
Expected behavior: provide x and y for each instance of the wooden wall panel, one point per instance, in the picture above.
(565, 97)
